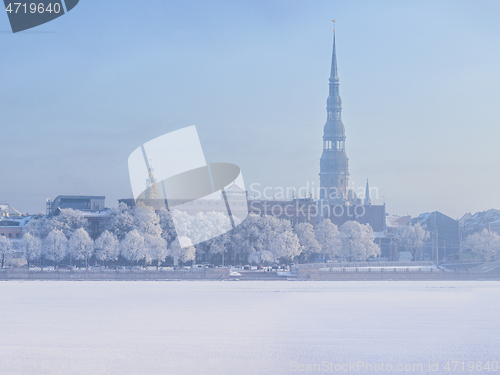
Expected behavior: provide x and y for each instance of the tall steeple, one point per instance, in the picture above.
(368, 201)
(334, 73)
(334, 164)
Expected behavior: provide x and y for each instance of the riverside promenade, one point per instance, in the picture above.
(411, 271)
(145, 274)
(396, 271)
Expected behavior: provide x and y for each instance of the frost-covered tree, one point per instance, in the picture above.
(107, 247)
(168, 232)
(182, 250)
(146, 221)
(285, 246)
(55, 246)
(357, 241)
(369, 248)
(412, 237)
(68, 221)
(132, 246)
(308, 243)
(31, 246)
(210, 225)
(81, 246)
(5, 248)
(39, 227)
(327, 235)
(183, 223)
(255, 236)
(156, 249)
(121, 221)
(211, 229)
(217, 245)
(248, 238)
(485, 244)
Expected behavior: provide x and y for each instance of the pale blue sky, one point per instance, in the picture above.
(419, 80)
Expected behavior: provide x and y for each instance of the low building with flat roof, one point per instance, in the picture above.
(78, 202)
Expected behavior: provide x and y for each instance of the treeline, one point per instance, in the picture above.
(142, 236)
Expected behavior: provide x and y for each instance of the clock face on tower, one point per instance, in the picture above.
(331, 160)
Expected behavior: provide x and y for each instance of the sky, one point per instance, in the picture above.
(419, 81)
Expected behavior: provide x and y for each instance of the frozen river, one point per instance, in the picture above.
(213, 327)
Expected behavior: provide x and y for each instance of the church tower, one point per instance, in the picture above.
(334, 164)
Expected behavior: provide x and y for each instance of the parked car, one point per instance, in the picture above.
(247, 268)
(260, 267)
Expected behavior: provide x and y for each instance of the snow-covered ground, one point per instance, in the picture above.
(215, 327)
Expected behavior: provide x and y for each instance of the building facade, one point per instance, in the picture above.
(444, 236)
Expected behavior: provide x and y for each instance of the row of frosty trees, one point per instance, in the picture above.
(143, 236)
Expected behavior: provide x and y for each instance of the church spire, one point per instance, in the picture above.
(334, 76)
(368, 201)
(334, 164)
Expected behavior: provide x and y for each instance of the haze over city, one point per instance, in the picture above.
(418, 81)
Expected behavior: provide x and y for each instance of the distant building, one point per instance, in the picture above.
(6, 210)
(444, 240)
(373, 215)
(480, 220)
(77, 202)
(92, 207)
(296, 211)
(14, 228)
(234, 193)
